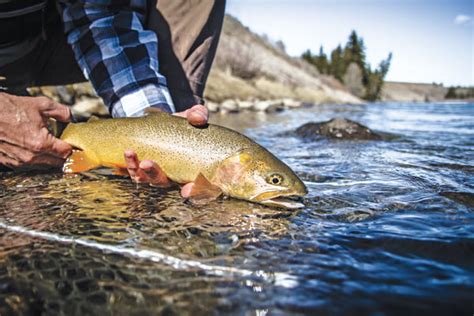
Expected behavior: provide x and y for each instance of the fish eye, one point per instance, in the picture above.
(275, 179)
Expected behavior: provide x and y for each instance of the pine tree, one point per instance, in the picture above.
(352, 54)
(322, 61)
(451, 93)
(355, 50)
(376, 78)
(337, 68)
(308, 56)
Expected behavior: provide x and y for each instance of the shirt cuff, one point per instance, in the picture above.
(134, 103)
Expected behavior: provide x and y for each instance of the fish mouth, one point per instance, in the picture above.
(287, 200)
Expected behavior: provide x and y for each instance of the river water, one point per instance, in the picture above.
(388, 228)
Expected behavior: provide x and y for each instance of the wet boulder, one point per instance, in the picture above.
(337, 128)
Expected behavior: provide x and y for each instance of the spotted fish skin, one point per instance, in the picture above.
(181, 150)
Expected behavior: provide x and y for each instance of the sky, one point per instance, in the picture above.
(431, 40)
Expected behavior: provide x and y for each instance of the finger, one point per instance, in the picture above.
(198, 115)
(133, 167)
(186, 190)
(25, 158)
(58, 148)
(9, 162)
(131, 160)
(51, 108)
(46, 160)
(150, 168)
(154, 173)
(15, 152)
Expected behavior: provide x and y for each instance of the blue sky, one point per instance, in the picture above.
(431, 41)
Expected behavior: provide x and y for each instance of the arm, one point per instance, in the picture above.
(120, 58)
(117, 54)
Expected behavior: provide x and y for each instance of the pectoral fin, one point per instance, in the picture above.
(79, 161)
(204, 191)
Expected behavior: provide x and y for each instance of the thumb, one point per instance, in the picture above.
(58, 147)
(56, 110)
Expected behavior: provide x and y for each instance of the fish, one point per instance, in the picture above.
(219, 161)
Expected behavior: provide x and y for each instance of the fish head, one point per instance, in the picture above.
(258, 176)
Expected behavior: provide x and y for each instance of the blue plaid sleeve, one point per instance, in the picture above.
(117, 54)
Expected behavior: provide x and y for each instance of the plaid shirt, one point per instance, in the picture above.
(117, 54)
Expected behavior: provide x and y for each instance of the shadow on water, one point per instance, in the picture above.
(388, 227)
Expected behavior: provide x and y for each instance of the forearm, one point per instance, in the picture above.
(117, 54)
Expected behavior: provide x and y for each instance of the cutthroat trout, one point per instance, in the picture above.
(218, 160)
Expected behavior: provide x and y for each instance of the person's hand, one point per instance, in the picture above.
(148, 171)
(25, 141)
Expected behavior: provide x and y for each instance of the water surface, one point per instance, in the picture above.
(388, 228)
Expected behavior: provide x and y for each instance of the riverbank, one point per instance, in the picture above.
(250, 67)
(412, 92)
(422, 92)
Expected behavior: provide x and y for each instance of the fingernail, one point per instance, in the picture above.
(202, 115)
(146, 164)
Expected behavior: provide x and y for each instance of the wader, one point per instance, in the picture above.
(34, 49)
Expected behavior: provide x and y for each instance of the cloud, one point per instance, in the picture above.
(462, 19)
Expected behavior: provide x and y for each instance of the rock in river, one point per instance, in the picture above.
(337, 128)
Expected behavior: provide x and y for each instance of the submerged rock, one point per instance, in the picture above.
(465, 198)
(338, 128)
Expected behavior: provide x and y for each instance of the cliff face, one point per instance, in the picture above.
(248, 66)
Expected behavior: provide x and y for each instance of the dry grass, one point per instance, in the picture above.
(248, 67)
(412, 92)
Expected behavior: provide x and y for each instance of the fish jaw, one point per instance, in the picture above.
(281, 198)
(283, 203)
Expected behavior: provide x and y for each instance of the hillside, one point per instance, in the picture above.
(412, 92)
(249, 67)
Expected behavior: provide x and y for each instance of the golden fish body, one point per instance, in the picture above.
(234, 163)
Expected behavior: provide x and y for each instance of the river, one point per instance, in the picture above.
(388, 228)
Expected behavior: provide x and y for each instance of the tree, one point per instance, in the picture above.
(308, 56)
(355, 50)
(451, 93)
(322, 61)
(352, 55)
(376, 78)
(337, 67)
